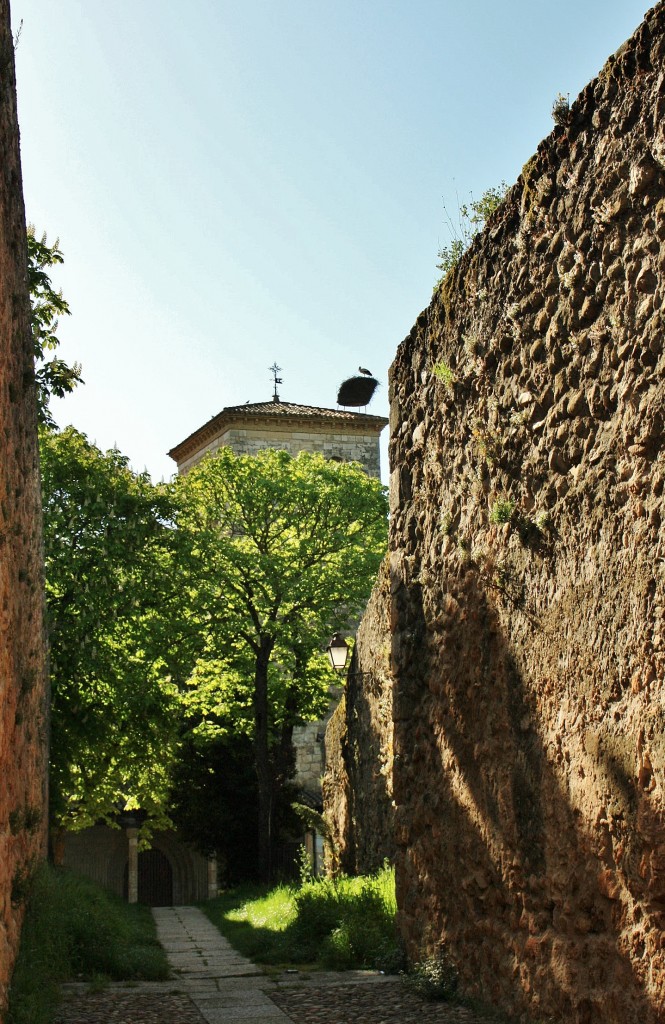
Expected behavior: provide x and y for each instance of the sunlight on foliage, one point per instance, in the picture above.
(112, 617)
(53, 376)
(284, 551)
(340, 923)
(74, 930)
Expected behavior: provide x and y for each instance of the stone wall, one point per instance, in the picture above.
(23, 712)
(346, 446)
(308, 750)
(528, 572)
(357, 784)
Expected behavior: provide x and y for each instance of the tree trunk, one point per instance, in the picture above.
(262, 758)
(23, 686)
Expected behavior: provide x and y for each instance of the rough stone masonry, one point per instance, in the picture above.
(357, 784)
(528, 577)
(23, 713)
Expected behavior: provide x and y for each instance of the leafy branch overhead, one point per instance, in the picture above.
(53, 376)
(187, 621)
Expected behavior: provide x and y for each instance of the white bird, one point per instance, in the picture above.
(368, 373)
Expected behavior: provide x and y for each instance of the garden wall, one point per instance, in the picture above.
(527, 577)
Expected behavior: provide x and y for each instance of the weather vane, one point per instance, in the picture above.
(275, 369)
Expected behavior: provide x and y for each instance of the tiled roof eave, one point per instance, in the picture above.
(337, 419)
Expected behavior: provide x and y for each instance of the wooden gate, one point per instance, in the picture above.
(155, 879)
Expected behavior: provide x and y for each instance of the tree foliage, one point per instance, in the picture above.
(111, 599)
(283, 551)
(53, 376)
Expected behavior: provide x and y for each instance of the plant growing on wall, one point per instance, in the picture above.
(445, 375)
(561, 109)
(53, 376)
(471, 219)
(502, 511)
(487, 443)
(435, 977)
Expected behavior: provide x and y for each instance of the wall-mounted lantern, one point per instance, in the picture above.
(338, 652)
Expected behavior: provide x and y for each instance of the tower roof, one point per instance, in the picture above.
(270, 412)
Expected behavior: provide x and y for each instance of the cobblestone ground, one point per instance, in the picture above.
(213, 984)
(359, 1003)
(390, 1003)
(128, 1008)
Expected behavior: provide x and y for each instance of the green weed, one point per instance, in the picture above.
(502, 511)
(445, 375)
(435, 977)
(471, 220)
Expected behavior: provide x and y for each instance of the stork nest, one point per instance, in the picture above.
(357, 391)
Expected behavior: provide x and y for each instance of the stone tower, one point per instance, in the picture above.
(246, 429)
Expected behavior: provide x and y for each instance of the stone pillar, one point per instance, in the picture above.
(212, 878)
(58, 846)
(133, 865)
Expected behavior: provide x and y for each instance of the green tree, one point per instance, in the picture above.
(111, 600)
(471, 219)
(284, 550)
(53, 376)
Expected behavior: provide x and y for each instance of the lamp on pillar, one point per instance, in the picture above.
(338, 652)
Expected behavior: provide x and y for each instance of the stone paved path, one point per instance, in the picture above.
(224, 986)
(213, 984)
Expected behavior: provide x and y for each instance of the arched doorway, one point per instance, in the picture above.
(155, 879)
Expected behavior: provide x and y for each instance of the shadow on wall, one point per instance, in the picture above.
(357, 784)
(539, 911)
(369, 756)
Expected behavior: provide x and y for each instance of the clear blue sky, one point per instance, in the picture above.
(239, 182)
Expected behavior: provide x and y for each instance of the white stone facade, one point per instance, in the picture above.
(310, 749)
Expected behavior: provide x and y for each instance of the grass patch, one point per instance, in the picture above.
(74, 930)
(342, 923)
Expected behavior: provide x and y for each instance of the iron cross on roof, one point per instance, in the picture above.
(275, 369)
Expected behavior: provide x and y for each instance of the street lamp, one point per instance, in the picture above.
(338, 652)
